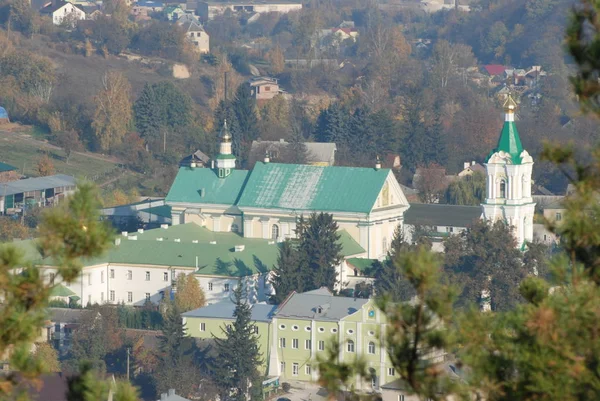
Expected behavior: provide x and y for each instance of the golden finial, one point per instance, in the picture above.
(510, 105)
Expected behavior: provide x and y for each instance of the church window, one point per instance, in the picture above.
(235, 228)
(274, 231)
(503, 189)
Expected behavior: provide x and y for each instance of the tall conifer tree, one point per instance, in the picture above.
(238, 353)
(287, 275)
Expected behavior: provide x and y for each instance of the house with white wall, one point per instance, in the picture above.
(64, 12)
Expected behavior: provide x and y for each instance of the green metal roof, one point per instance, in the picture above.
(162, 211)
(220, 259)
(61, 291)
(361, 263)
(509, 142)
(6, 167)
(202, 185)
(313, 188)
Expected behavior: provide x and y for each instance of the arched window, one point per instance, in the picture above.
(371, 348)
(274, 231)
(350, 346)
(235, 228)
(503, 189)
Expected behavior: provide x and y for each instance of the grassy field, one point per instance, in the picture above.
(23, 151)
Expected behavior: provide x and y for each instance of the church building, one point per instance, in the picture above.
(509, 168)
(267, 201)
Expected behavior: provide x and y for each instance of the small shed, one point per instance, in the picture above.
(3, 116)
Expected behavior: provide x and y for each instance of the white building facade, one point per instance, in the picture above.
(508, 169)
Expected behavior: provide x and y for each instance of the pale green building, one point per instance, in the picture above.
(293, 334)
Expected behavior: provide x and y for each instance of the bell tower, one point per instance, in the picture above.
(225, 160)
(508, 169)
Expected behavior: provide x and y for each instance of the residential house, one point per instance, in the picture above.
(35, 192)
(471, 168)
(61, 324)
(292, 335)
(264, 88)
(197, 36)
(398, 390)
(439, 221)
(267, 201)
(8, 173)
(171, 396)
(196, 159)
(92, 11)
(145, 8)
(209, 321)
(208, 10)
(64, 12)
(318, 153)
(392, 161)
(173, 12)
(333, 37)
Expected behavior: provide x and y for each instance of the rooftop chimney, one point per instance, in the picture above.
(473, 163)
(171, 391)
(163, 397)
(267, 158)
(140, 230)
(239, 248)
(193, 164)
(177, 240)
(164, 226)
(124, 233)
(117, 241)
(466, 165)
(378, 163)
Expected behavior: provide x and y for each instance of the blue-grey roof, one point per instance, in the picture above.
(306, 306)
(225, 309)
(3, 113)
(36, 184)
(441, 215)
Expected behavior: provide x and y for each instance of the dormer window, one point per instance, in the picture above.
(319, 309)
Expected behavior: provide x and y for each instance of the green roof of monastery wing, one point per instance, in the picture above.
(202, 185)
(313, 188)
(361, 263)
(61, 291)
(216, 259)
(509, 142)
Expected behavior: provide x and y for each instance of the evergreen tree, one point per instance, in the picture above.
(389, 275)
(238, 354)
(244, 107)
(224, 112)
(485, 257)
(437, 151)
(161, 105)
(288, 273)
(416, 142)
(320, 251)
(332, 125)
(177, 367)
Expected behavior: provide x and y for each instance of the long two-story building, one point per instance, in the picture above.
(291, 336)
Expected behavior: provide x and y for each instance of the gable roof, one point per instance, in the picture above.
(66, 315)
(224, 310)
(317, 152)
(441, 215)
(313, 188)
(494, 69)
(305, 305)
(6, 167)
(202, 185)
(192, 26)
(36, 184)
